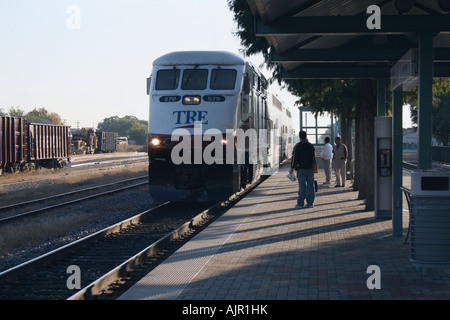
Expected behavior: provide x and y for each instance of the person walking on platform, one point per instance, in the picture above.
(327, 155)
(340, 159)
(302, 161)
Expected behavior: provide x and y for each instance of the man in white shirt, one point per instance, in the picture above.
(327, 154)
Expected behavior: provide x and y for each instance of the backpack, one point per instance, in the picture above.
(304, 155)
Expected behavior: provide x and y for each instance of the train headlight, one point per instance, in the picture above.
(191, 100)
(156, 142)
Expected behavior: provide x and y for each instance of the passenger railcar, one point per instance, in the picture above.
(25, 145)
(213, 126)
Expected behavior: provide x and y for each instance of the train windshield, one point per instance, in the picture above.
(167, 79)
(194, 79)
(223, 79)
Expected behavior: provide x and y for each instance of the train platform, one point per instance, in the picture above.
(265, 249)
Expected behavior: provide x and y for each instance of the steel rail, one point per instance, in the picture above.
(101, 284)
(15, 274)
(22, 215)
(31, 264)
(133, 263)
(21, 204)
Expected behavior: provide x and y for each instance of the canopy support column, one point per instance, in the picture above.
(397, 163)
(425, 100)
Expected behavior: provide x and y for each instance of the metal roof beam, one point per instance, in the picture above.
(352, 25)
(344, 71)
(426, 9)
(302, 7)
(337, 72)
(442, 54)
(350, 55)
(339, 55)
(442, 70)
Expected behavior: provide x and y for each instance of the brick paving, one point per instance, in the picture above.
(264, 249)
(281, 253)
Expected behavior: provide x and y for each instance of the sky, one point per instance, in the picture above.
(89, 60)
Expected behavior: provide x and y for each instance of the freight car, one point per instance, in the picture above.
(88, 141)
(214, 127)
(25, 145)
(107, 141)
(84, 141)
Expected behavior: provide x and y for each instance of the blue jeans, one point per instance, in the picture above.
(305, 186)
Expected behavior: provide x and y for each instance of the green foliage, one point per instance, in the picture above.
(441, 87)
(128, 126)
(139, 132)
(37, 114)
(244, 18)
(43, 114)
(338, 96)
(16, 112)
(441, 119)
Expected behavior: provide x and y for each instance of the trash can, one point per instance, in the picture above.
(430, 219)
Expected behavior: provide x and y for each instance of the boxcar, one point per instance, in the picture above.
(13, 143)
(25, 145)
(107, 141)
(49, 145)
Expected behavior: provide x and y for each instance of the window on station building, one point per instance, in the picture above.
(311, 136)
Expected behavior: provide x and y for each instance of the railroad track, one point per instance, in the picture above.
(436, 165)
(109, 164)
(4, 218)
(46, 277)
(111, 256)
(409, 166)
(85, 166)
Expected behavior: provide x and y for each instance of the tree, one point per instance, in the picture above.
(338, 96)
(128, 126)
(244, 18)
(139, 132)
(340, 101)
(441, 120)
(116, 124)
(16, 112)
(366, 112)
(43, 114)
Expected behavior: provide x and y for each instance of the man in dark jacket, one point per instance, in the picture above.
(302, 160)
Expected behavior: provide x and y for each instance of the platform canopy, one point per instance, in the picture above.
(349, 39)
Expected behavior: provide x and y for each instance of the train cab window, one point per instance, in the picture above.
(167, 79)
(194, 79)
(223, 79)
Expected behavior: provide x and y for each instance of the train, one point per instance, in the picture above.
(89, 141)
(214, 126)
(25, 145)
